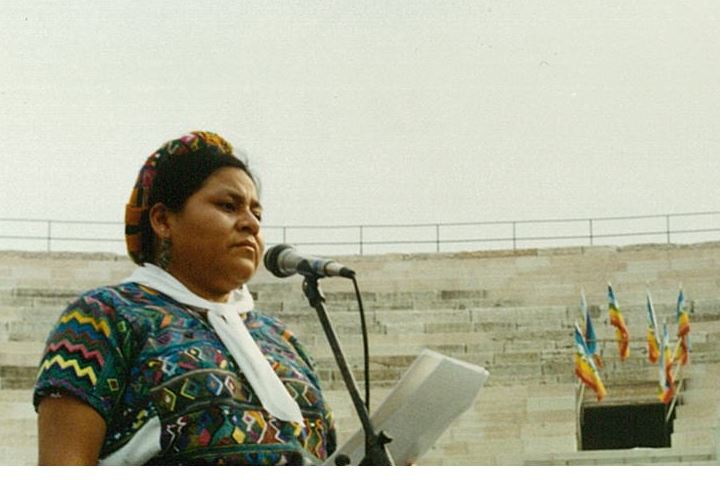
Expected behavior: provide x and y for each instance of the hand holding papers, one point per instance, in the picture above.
(433, 392)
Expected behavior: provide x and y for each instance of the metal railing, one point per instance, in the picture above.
(78, 235)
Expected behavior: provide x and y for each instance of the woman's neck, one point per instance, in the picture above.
(205, 293)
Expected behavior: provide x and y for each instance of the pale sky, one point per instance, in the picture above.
(369, 111)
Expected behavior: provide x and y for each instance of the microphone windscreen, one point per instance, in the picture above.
(271, 260)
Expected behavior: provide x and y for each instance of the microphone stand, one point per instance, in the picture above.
(376, 452)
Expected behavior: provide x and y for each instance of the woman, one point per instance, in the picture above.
(173, 366)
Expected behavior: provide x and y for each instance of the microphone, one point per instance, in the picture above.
(283, 260)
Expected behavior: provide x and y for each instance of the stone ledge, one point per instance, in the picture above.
(638, 456)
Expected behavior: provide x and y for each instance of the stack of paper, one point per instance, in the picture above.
(434, 391)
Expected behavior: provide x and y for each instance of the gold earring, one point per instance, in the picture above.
(164, 253)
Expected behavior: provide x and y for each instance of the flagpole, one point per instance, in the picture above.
(580, 393)
(680, 383)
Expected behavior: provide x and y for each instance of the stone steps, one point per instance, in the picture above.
(511, 312)
(15, 433)
(289, 298)
(21, 354)
(472, 427)
(19, 364)
(18, 456)
(27, 323)
(548, 361)
(501, 420)
(16, 404)
(504, 422)
(638, 456)
(542, 274)
(697, 421)
(36, 310)
(14, 378)
(18, 428)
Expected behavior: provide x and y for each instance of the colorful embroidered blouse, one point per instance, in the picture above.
(135, 354)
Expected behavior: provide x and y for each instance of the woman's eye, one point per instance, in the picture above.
(258, 215)
(228, 206)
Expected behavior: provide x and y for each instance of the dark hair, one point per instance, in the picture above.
(179, 177)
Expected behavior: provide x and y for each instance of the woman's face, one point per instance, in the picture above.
(217, 243)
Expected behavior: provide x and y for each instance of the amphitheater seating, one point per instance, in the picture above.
(511, 312)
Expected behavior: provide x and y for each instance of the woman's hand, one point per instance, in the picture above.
(70, 432)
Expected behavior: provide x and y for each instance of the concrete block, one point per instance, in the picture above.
(424, 322)
(554, 368)
(539, 404)
(28, 272)
(532, 264)
(495, 327)
(688, 424)
(539, 416)
(499, 446)
(462, 294)
(9, 314)
(523, 345)
(548, 428)
(549, 444)
(515, 370)
(507, 359)
(693, 438)
(18, 456)
(507, 394)
(449, 327)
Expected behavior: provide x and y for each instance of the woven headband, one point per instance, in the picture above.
(138, 206)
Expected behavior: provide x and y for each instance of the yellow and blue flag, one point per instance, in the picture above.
(590, 336)
(617, 321)
(652, 332)
(585, 367)
(667, 380)
(682, 318)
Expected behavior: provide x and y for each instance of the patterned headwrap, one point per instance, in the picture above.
(138, 206)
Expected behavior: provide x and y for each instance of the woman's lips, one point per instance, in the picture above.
(245, 246)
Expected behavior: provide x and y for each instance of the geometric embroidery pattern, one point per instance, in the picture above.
(133, 354)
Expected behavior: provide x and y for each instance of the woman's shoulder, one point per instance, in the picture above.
(115, 301)
(122, 294)
(271, 326)
(264, 321)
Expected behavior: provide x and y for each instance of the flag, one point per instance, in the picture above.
(585, 367)
(652, 335)
(590, 337)
(617, 321)
(683, 334)
(667, 381)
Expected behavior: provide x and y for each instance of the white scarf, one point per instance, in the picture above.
(225, 319)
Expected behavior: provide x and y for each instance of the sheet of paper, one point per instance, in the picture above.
(434, 391)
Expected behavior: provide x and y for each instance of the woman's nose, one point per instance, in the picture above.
(249, 221)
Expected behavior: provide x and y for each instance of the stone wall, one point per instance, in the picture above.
(509, 311)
